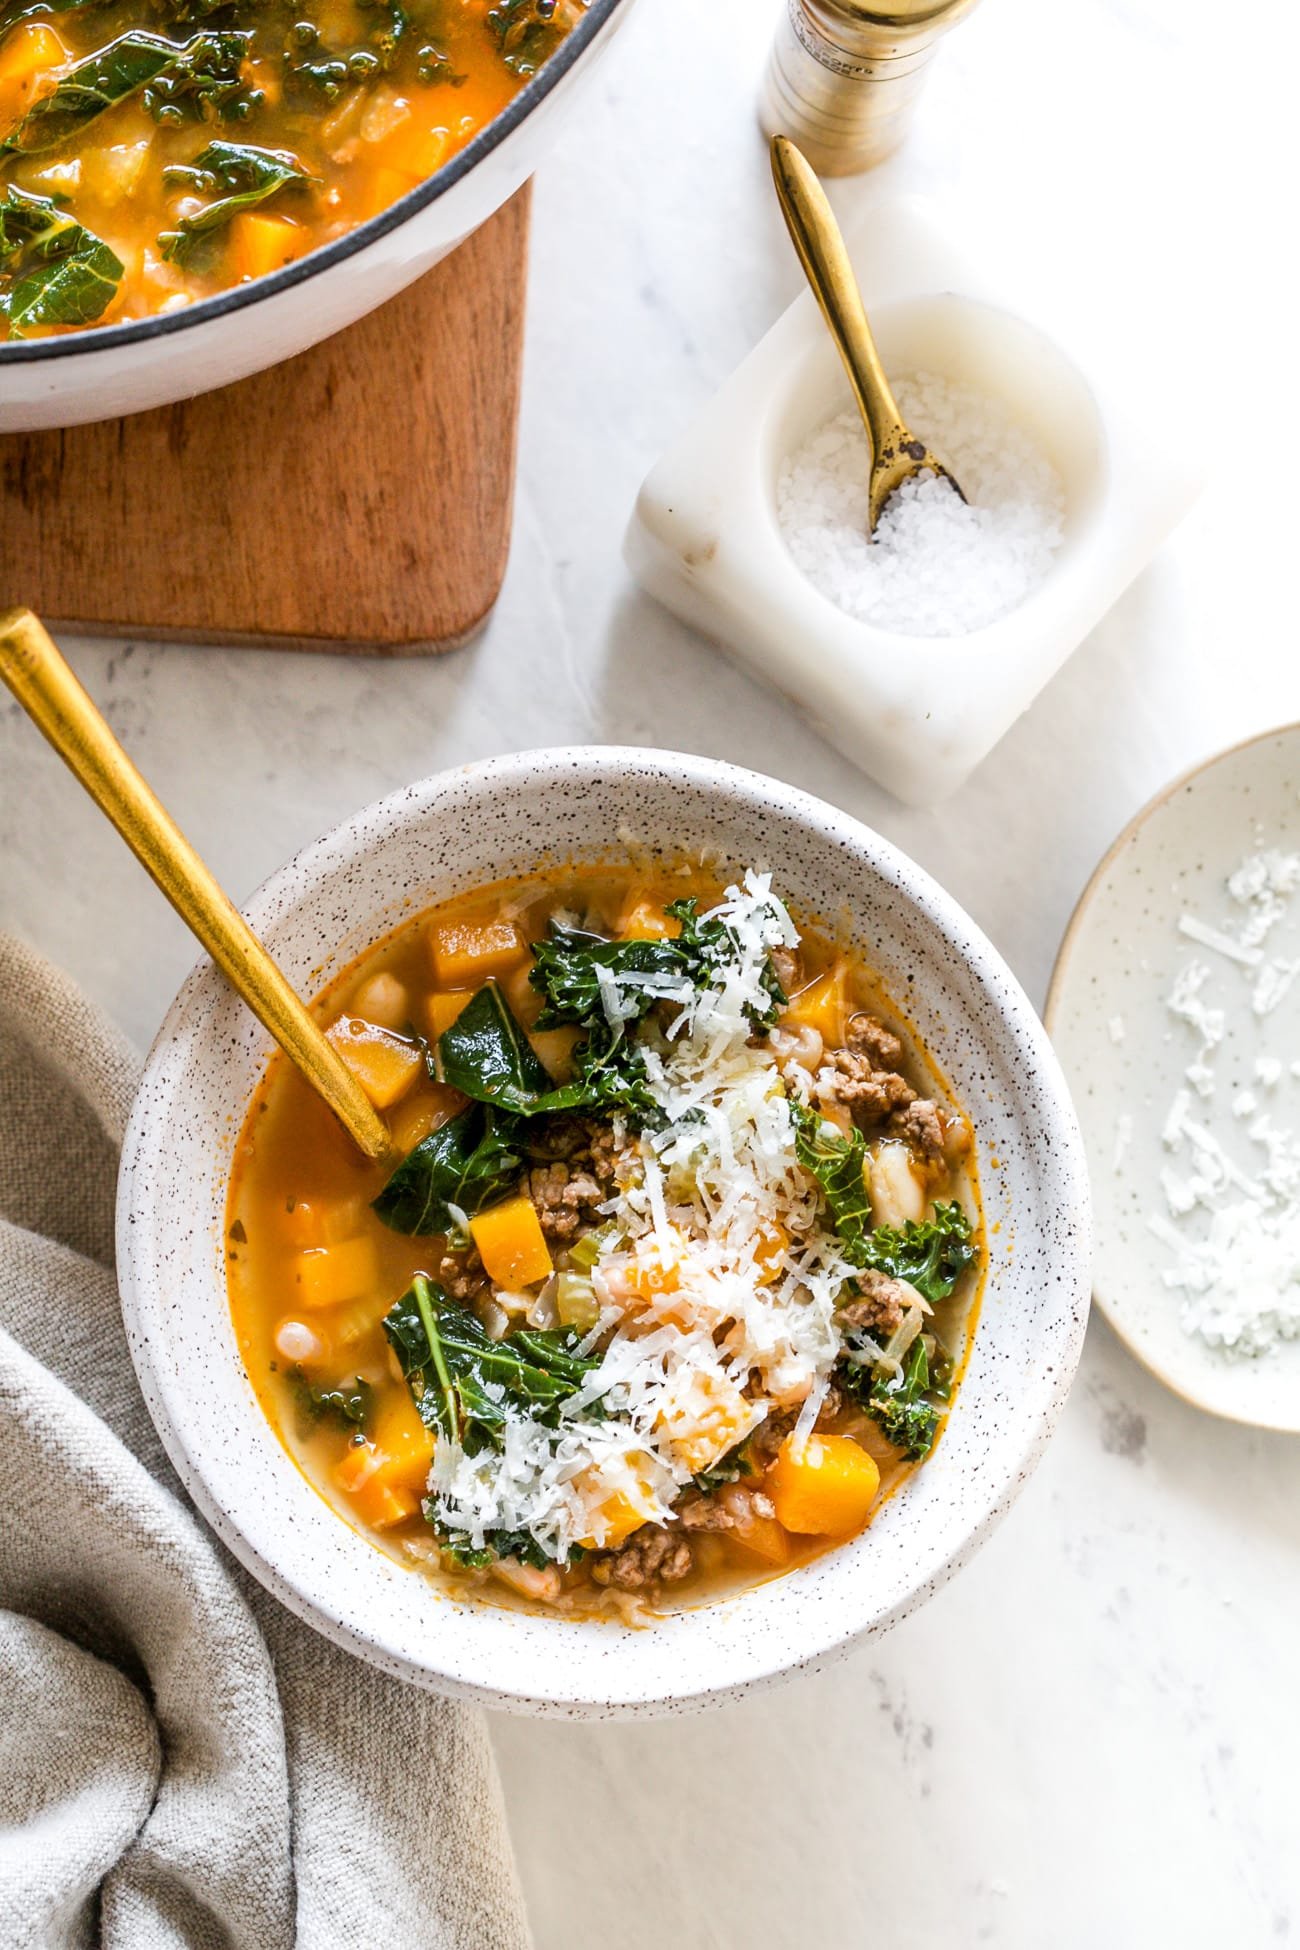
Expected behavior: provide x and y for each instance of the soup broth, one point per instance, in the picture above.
(153, 152)
(592, 1345)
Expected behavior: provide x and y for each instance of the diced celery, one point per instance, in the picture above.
(576, 1302)
(584, 1252)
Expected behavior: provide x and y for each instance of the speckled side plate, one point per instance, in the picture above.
(426, 844)
(1126, 1056)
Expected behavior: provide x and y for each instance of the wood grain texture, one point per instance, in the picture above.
(358, 497)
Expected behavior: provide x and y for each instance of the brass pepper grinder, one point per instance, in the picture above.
(845, 75)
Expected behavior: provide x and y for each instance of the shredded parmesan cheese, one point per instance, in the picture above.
(688, 1273)
(1232, 1199)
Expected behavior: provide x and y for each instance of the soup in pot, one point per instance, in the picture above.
(153, 152)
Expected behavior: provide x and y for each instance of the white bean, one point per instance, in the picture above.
(544, 1585)
(382, 1000)
(897, 1194)
(295, 1340)
(801, 1046)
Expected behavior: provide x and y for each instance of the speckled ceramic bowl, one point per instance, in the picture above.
(430, 842)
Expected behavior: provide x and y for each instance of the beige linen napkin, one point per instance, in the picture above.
(182, 1763)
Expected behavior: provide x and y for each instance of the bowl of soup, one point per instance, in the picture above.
(724, 1279)
(189, 194)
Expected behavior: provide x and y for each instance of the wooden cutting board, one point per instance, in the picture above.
(358, 497)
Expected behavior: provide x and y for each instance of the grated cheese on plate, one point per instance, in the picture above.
(1231, 1220)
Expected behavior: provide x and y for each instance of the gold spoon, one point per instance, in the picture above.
(896, 453)
(51, 696)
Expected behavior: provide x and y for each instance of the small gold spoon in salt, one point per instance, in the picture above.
(896, 453)
(51, 696)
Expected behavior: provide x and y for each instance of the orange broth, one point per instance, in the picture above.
(305, 1247)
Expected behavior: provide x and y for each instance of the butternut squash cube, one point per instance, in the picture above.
(642, 919)
(382, 1505)
(327, 1276)
(411, 149)
(651, 1279)
(358, 1464)
(615, 1512)
(614, 1520)
(769, 1250)
(656, 1267)
(519, 992)
(468, 953)
(405, 1445)
(555, 1047)
(764, 1538)
(29, 50)
(383, 1064)
(823, 1006)
(824, 1490)
(383, 188)
(261, 244)
(29, 57)
(441, 1010)
(412, 1122)
(422, 1111)
(511, 1244)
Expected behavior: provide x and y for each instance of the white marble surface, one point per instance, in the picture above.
(1088, 1738)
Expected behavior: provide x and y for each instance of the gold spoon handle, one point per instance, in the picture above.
(820, 244)
(51, 696)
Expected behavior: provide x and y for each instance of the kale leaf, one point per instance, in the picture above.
(730, 1468)
(205, 82)
(486, 1053)
(52, 270)
(200, 79)
(608, 1074)
(346, 1407)
(476, 1157)
(101, 81)
(710, 944)
(609, 1065)
(908, 1407)
(570, 963)
(528, 32)
(320, 72)
(568, 966)
(245, 177)
(463, 1382)
(931, 1256)
(468, 1162)
(519, 1544)
(839, 1164)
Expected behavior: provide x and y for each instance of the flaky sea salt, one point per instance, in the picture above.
(938, 565)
